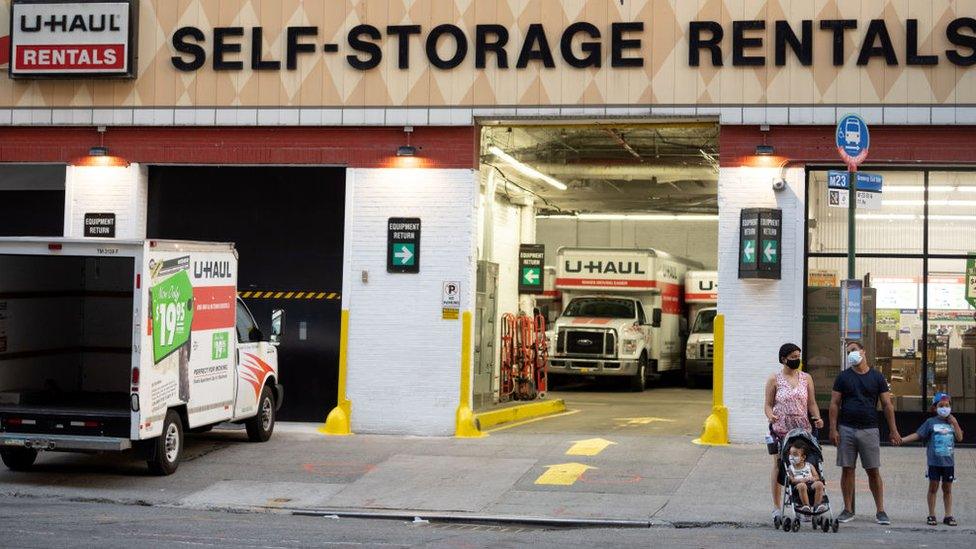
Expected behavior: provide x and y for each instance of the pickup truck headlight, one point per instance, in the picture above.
(630, 346)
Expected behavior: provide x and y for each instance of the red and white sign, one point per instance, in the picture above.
(72, 38)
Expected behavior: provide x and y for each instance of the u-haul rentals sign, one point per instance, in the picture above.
(64, 39)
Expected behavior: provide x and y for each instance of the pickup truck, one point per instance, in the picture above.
(110, 345)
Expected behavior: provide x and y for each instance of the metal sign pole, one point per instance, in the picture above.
(851, 222)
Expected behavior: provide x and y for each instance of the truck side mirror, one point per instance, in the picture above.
(656, 318)
(277, 320)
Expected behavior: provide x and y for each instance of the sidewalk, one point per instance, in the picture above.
(638, 480)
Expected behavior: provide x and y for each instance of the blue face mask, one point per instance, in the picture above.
(943, 411)
(854, 358)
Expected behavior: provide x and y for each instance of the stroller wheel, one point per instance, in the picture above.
(796, 525)
(787, 524)
(815, 523)
(835, 525)
(825, 525)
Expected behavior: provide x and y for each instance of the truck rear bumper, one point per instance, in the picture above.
(67, 443)
(591, 367)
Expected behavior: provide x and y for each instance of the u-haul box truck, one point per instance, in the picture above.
(701, 295)
(111, 345)
(623, 313)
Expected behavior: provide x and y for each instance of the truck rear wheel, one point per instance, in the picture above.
(639, 382)
(260, 427)
(18, 459)
(165, 454)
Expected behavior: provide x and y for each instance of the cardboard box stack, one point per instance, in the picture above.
(962, 379)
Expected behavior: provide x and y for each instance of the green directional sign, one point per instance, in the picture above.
(532, 261)
(770, 251)
(971, 279)
(403, 245)
(404, 254)
(748, 251)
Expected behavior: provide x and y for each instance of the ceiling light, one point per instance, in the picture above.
(632, 217)
(406, 150)
(525, 169)
(100, 157)
(765, 150)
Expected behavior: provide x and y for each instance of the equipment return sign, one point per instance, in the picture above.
(403, 245)
(532, 261)
(760, 243)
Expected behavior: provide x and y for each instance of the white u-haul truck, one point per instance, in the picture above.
(701, 295)
(623, 313)
(111, 345)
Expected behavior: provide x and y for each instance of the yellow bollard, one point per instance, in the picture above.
(465, 425)
(338, 421)
(715, 431)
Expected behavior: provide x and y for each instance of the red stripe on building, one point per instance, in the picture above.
(214, 307)
(437, 147)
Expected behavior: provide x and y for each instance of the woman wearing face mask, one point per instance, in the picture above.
(790, 404)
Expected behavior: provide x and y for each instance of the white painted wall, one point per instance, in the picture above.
(697, 240)
(403, 360)
(122, 191)
(760, 315)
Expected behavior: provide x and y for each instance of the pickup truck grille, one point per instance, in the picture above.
(705, 350)
(578, 342)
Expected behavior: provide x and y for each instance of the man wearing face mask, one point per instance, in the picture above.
(854, 427)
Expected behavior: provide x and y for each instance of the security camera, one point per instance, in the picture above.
(779, 185)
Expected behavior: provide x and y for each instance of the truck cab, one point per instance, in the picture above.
(699, 351)
(604, 335)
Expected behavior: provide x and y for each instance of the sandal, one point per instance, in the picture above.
(931, 521)
(951, 521)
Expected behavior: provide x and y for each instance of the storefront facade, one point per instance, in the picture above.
(315, 84)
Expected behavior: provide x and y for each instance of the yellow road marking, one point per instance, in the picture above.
(562, 474)
(588, 447)
(642, 420)
(533, 420)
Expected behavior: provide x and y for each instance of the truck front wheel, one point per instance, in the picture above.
(639, 382)
(164, 456)
(18, 459)
(260, 427)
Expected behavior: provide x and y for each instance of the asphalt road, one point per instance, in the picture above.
(40, 523)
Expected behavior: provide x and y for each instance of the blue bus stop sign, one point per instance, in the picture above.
(853, 140)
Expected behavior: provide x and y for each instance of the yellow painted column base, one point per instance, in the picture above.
(715, 431)
(466, 427)
(337, 423)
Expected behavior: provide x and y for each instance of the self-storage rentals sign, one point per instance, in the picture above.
(65, 39)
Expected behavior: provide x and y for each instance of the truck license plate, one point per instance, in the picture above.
(585, 370)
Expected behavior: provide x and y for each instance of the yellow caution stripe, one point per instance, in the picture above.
(318, 295)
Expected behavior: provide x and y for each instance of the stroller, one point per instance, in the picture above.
(824, 519)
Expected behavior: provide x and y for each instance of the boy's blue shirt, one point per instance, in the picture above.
(940, 440)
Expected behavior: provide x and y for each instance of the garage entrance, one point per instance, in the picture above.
(287, 224)
(627, 211)
(32, 200)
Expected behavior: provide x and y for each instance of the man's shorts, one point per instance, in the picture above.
(937, 473)
(859, 442)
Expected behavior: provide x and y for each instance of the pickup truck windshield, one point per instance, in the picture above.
(705, 322)
(601, 308)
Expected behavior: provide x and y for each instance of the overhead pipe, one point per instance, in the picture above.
(628, 172)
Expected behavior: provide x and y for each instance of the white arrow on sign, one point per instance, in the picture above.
(769, 251)
(749, 251)
(531, 277)
(404, 255)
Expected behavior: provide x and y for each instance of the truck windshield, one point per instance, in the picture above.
(705, 322)
(601, 308)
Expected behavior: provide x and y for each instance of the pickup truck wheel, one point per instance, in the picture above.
(165, 455)
(18, 459)
(639, 382)
(260, 427)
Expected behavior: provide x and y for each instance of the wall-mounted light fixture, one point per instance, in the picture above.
(765, 150)
(99, 156)
(406, 150)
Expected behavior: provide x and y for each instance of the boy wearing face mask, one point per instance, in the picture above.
(854, 427)
(940, 434)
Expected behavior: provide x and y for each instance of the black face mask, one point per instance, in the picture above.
(793, 363)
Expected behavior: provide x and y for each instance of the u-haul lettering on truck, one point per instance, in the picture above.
(604, 267)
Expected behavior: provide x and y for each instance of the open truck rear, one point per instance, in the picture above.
(111, 345)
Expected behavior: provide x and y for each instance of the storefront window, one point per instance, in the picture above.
(920, 329)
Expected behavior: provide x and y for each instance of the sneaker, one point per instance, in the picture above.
(777, 514)
(846, 516)
(883, 518)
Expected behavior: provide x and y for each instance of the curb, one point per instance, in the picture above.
(495, 519)
(519, 412)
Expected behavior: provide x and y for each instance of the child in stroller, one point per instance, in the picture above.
(803, 476)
